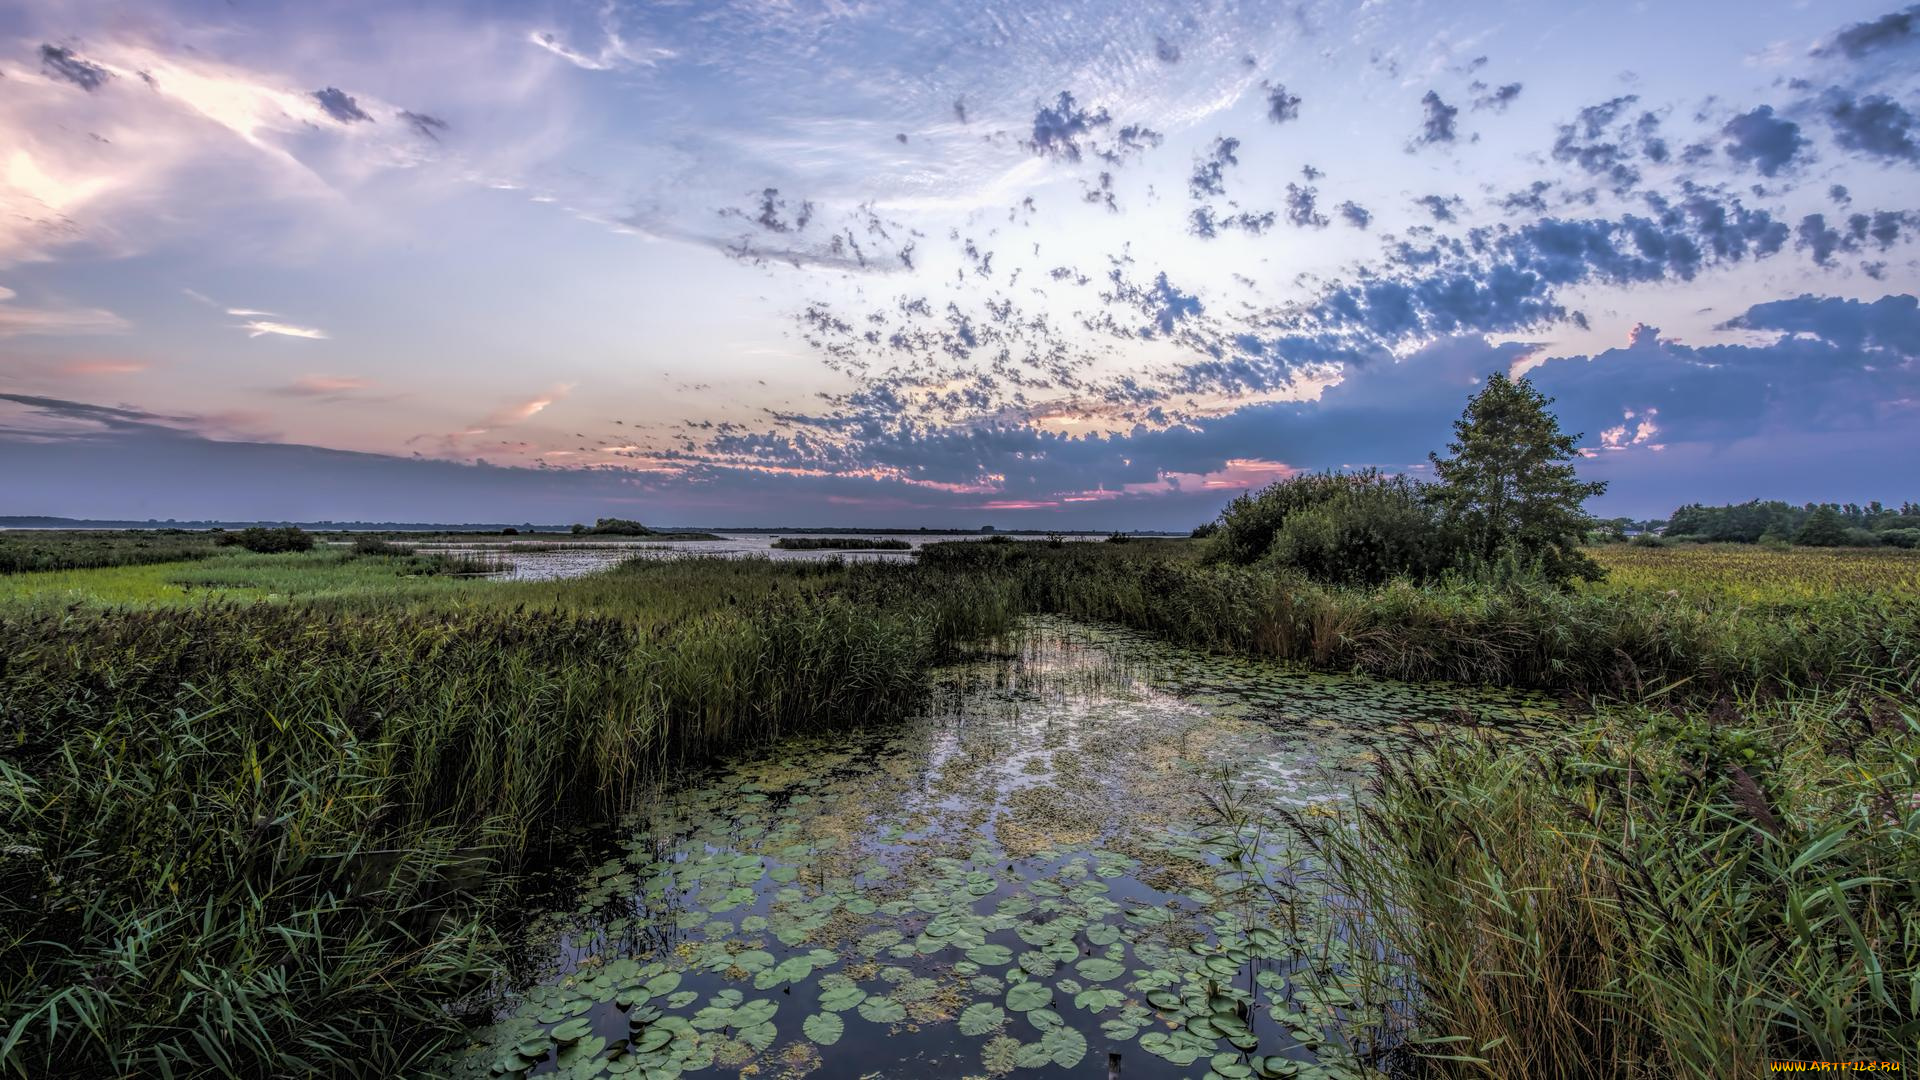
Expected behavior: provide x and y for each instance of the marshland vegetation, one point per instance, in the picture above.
(1624, 811)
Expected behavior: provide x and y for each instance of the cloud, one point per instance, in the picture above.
(1444, 208)
(341, 106)
(615, 51)
(1281, 105)
(1875, 124)
(1889, 31)
(102, 367)
(61, 62)
(1209, 173)
(1058, 129)
(1301, 210)
(424, 124)
(1355, 215)
(325, 386)
(265, 327)
(1889, 326)
(1606, 140)
(1437, 126)
(1498, 98)
(522, 410)
(1763, 140)
(17, 320)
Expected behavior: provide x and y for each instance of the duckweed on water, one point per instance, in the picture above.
(1054, 861)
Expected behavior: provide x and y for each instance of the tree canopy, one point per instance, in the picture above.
(1508, 487)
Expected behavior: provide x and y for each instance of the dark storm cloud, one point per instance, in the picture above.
(1888, 31)
(1437, 123)
(1763, 140)
(340, 105)
(1875, 124)
(62, 63)
(1281, 106)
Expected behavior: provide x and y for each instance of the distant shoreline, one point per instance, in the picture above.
(34, 522)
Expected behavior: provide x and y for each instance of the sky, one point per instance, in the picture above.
(907, 262)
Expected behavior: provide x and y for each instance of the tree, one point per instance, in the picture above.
(1509, 489)
(1823, 528)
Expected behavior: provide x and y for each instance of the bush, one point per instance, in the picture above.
(268, 541)
(1342, 527)
(618, 527)
(1901, 538)
(1367, 533)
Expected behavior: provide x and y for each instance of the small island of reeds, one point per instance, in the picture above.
(839, 543)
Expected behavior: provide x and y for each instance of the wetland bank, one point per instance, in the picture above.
(1002, 808)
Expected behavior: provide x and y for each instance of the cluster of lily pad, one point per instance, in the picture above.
(760, 919)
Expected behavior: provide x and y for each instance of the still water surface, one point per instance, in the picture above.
(546, 558)
(1037, 872)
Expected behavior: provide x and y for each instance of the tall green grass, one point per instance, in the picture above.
(1618, 643)
(30, 550)
(267, 839)
(1655, 896)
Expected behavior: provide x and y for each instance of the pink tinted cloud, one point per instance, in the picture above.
(102, 367)
(317, 385)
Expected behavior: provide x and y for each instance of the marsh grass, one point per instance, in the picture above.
(1615, 641)
(259, 838)
(1657, 895)
(34, 550)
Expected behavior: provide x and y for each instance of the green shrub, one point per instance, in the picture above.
(1364, 533)
(268, 541)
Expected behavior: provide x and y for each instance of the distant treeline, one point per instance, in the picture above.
(1821, 524)
(839, 543)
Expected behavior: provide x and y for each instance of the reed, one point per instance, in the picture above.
(1616, 642)
(1657, 895)
(269, 838)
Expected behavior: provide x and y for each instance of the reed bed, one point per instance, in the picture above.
(1617, 642)
(267, 838)
(1657, 895)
